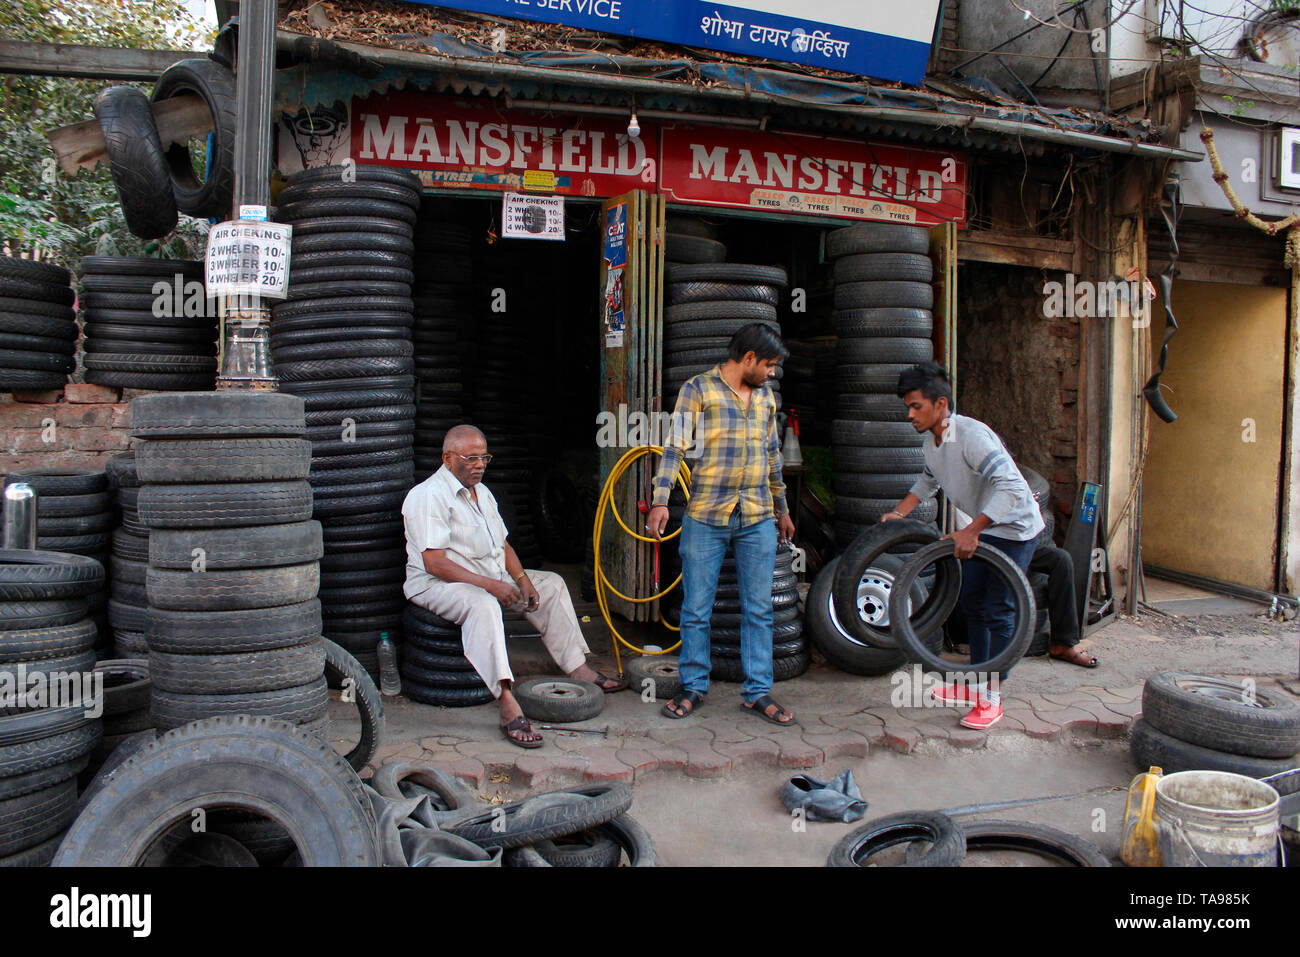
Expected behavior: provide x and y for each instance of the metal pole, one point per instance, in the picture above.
(245, 320)
(20, 516)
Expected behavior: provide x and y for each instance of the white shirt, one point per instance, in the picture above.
(441, 513)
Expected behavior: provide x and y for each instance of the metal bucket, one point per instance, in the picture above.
(1216, 819)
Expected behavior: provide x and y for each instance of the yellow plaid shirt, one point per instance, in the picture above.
(739, 456)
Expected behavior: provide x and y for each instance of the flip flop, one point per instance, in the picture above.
(520, 725)
(1076, 657)
(760, 705)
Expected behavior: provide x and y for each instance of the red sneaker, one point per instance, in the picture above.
(955, 694)
(983, 716)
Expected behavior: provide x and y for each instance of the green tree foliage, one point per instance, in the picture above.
(40, 206)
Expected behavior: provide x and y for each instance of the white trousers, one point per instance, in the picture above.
(483, 632)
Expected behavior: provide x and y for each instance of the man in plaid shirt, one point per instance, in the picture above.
(738, 499)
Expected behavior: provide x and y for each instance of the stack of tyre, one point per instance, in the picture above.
(128, 605)
(148, 324)
(342, 342)
(75, 515)
(42, 750)
(790, 651)
(708, 303)
(442, 300)
(45, 623)
(234, 625)
(433, 664)
(38, 329)
(810, 366)
(1194, 722)
(883, 320)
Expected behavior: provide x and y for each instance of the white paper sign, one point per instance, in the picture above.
(532, 217)
(249, 259)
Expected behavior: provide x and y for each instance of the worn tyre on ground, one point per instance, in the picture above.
(1222, 714)
(254, 764)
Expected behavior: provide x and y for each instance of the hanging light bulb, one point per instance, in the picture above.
(633, 127)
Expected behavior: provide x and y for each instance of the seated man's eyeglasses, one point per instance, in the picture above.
(475, 459)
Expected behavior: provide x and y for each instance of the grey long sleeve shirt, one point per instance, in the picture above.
(976, 472)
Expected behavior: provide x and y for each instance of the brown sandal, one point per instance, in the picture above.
(515, 730)
(609, 685)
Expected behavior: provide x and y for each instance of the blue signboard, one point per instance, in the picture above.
(889, 41)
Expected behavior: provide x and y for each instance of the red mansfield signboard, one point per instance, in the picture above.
(457, 144)
(460, 144)
(816, 175)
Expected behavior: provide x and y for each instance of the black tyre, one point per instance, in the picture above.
(209, 197)
(1222, 714)
(225, 632)
(727, 272)
(545, 817)
(877, 238)
(1002, 566)
(251, 763)
(227, 414)
(136, 161)
(1152, 748)
(34, 644)
(225, 505)
(222, 460)
(260, 546)
(232, 589)
(342, 668)
(877, 349)
(835, 643)
(246, 672)
(783, 669)
(559, 699)
(30, 819)
(47, 576)
(878, 460)
(862, 554)
(15, 615)
(661, 670)
(875, 267)
(948, 844)
(300, 704)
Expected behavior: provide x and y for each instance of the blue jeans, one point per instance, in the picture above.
(702, 549)
(986, 600)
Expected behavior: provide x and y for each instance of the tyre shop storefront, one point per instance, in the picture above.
(554, 324)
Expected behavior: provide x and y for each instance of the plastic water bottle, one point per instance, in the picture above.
(390, 682)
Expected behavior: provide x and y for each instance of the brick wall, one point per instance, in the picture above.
(78, 427)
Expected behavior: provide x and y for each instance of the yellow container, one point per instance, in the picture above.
(1141, 847)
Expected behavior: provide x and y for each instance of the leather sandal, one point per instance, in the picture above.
(521, 726)
(760, 705)
(679, 703)
(609, 685)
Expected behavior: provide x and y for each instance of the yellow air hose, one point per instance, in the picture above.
(607, 502)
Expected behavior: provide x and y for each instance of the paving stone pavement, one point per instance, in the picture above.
(839, 716)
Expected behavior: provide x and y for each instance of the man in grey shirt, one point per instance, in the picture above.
(965, 458)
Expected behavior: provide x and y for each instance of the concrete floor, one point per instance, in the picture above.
(739, 821)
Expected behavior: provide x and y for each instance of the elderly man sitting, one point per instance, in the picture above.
(460, 566)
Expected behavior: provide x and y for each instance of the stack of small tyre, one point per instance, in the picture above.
(342, 342)
(75, 515)
(883, 320)
(790, 652)
(42, 750)
(234, 625)
(433, 665)
(442, 295)
(128, 605)
(148, 324)
(1194, 722)
(585, 826)
(45, 623)
(38, 329)
(707, 304)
